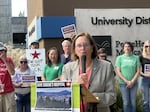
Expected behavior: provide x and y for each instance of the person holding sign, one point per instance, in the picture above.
(21, 80)
(128, 70)
(145, 73)
(53, 68)
(94, 74)
(7, 96)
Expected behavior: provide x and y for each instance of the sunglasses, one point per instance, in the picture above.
(23, 62)
(147, 46)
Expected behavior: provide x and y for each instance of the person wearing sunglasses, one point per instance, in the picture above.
(22, 90)
(7, 95)
(145, 75)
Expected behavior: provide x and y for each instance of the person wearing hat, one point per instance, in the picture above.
(7, 95)
(34, 45)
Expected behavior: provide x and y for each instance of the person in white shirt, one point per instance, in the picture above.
(22, 90)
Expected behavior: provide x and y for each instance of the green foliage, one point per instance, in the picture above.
(139, 102)
(118, 106)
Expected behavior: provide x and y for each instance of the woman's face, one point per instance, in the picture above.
(23, 63)
(127, 49)
(83, 47)
(147, 47)
(53, 56)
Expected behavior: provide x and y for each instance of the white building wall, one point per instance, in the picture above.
(136, 33)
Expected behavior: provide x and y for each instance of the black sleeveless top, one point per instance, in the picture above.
(144, 63)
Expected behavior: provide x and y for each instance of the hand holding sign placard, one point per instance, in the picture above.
(68, 31)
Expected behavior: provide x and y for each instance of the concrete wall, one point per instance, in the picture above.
(126, 24)
(66, 7)
(19, 24)
(19, 31)
(48, 43)
(5, 21)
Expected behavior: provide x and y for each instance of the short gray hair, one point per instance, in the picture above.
(66, 41)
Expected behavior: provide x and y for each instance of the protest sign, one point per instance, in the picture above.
(36, 60)
(68, 31)
(147, 69)
(53, 96)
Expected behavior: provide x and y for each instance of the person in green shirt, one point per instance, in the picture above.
(128, 70)
(53, 68)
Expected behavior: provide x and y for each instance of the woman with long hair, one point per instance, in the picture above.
(53, 68)
(145, 75)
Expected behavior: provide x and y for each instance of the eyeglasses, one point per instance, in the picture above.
(25, 62)
(85, 45)
(102, 56)
(147, 46)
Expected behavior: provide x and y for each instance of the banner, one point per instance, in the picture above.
(54, 96)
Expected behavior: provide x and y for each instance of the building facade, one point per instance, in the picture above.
(5, 21)
(13, 30)
(87, 15)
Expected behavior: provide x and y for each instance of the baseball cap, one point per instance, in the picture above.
(2, 47)
(34, 42)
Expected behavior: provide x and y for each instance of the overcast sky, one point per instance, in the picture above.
(17, 6)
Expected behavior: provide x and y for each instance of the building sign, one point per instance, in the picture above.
(138, 44)
(120, 21)
(121, 25)
(104, 42)
(32, 32)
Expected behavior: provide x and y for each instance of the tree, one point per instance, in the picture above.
(21, 14)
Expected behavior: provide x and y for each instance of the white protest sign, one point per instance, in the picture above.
(68, 31)
(36, 60)
(147, 68)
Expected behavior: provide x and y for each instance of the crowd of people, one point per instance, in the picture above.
(97, 75)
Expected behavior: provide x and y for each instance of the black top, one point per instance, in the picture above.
(144, 61)
(65, 60)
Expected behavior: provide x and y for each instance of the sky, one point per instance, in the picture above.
(17, 6)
